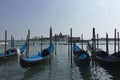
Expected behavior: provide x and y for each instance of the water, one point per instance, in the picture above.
(56, 68)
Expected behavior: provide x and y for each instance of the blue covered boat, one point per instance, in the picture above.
(80, 56)
(37, 59)
(12, 51)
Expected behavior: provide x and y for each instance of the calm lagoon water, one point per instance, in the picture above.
(56, 68)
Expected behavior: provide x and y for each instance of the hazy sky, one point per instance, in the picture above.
(17, 16)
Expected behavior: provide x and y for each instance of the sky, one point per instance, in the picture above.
(17, 16)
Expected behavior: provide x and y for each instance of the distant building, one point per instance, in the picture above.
(60, 37)
(57, 37)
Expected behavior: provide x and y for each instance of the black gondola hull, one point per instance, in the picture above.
(104, 58)
(30, 63)
(80, 62)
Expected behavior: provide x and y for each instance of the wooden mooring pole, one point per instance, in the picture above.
(118, 41)
(55, 43)
(50, 35)
(93, 53)
(68, 46)
(41, 42)
(28, 44)
(71, 45)
(115, 41)
(12, 41)
(82, 40)
(97, 41)
(107, 49)
(5, 42)
(93, 42)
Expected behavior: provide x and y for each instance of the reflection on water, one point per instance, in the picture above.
(56, 68)
(112, 71)
(32, 73)
(99, 73)
(10, 70)
(85, 71)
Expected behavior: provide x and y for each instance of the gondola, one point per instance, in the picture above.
(80, 56)
(12, 51)
(37, 59)
(117, 54)
(104, 58)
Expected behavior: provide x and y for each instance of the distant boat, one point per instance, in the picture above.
(80, 56)
(36, 59)
(3, 43)
(12, 51)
